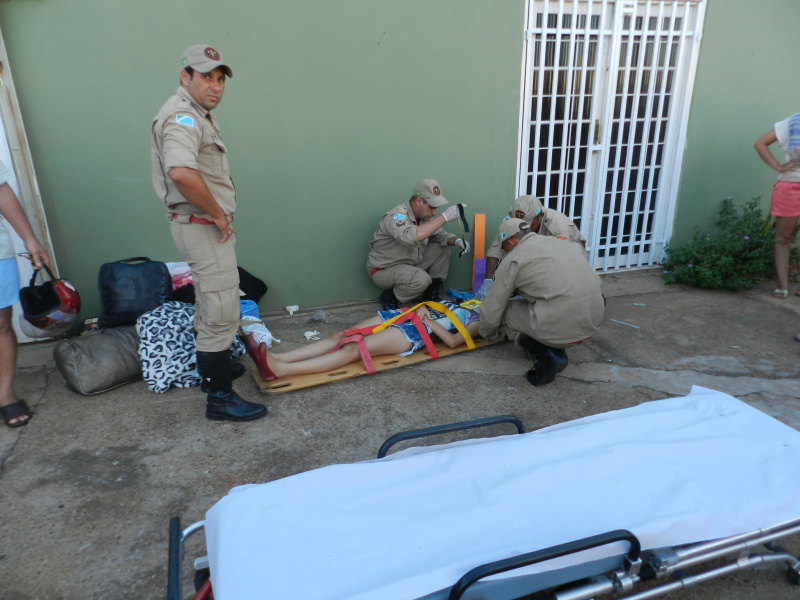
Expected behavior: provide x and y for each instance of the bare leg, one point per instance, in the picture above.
(389, 341)
(784, 232)
(320, 347)
(8, 362)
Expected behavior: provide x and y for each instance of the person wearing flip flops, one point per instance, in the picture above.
(561, 302)
(409, 256)
(785, 205)
(15, 412)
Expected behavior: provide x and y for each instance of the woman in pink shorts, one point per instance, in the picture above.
(785, 195)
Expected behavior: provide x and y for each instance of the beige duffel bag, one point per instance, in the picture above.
(99, 361)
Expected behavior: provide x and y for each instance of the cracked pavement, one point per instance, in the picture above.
(89, 486)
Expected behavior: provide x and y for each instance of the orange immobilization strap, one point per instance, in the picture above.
(362, 349)
(438, 307)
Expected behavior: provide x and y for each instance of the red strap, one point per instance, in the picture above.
(367, 330)
(362, 348)
(423, 332)
(204, 592)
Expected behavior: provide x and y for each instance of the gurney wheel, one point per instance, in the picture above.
(200, 577)
(793, 575)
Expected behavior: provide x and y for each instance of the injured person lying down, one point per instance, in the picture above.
(402, 336)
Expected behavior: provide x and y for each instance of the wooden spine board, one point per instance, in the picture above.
(382, 363)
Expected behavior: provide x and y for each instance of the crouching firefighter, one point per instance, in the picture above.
(561, 303)
(409, 254)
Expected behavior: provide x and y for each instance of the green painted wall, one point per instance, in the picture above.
(336, 110)
(747, 80)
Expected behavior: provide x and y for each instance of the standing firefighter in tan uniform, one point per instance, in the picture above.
(562, 304)
(544, 221)
(191, 177)
(409, 257)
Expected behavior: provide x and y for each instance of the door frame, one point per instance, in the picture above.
(609, 39)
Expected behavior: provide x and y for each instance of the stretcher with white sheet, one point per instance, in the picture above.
(617, 503)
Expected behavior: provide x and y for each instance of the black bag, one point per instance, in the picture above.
(99, 361)
(252, 287)
(131, 287)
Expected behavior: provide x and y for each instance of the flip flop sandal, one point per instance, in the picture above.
(14, 411)
(778, 293)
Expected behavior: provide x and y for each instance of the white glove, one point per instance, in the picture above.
(496, 336)
(464, 245)
(452, 213)
(481, 295)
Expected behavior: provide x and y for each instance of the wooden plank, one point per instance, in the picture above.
(356, 369)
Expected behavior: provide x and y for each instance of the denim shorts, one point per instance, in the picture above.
(408, 328)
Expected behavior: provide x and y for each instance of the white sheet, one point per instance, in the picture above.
(672, 471)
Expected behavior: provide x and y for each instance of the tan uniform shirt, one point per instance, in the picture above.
(184, 134)
(395, 240)
(554, 224)
(563, 291)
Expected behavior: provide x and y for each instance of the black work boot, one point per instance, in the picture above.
(560, 357)
(388, 300)
(545, 364)
(237, 370)
(432, 291)
(222, 403)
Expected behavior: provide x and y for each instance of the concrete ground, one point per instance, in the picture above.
(87, 489)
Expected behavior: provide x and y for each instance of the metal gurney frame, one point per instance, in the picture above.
(627, 571)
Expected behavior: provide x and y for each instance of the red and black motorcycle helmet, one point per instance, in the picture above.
(48, 309)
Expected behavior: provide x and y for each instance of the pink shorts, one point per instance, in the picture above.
(785, 199)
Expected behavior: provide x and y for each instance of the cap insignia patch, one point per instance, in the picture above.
(418, 194)
(503, 235)
(437, 191)
(520, 214)
(211, 53)
(185, 61)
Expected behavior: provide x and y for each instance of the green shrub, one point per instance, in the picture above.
(735, 256)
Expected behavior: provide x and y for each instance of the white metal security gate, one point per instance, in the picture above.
(607, 85)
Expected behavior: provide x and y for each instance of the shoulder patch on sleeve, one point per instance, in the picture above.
(184, 120)
(398, 216)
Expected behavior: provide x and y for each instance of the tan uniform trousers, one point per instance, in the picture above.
(519, 317)
(216, 283)
(409, 281)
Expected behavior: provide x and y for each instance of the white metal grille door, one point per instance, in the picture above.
(606, 95)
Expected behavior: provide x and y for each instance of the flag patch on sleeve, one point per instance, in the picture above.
(184, 120)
